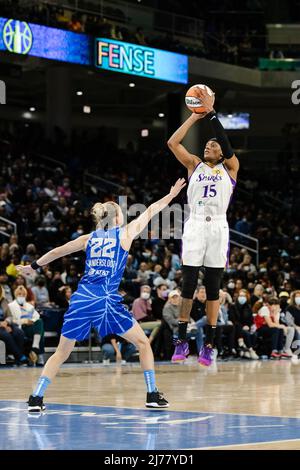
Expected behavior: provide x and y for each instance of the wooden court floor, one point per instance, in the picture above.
(260, 388)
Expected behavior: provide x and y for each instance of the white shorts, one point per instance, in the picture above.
(205, 241)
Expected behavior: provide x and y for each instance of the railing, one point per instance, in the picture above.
(8, 222)
(136, 15)
(239, 242)
(102, 184)
(52, 161)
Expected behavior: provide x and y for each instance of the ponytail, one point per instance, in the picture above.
(104, 214)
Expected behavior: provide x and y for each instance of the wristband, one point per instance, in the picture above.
(35, 266)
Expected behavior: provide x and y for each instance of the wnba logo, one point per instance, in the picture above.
(296, 93)
(17, 36)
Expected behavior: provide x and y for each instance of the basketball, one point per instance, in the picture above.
(193, 101)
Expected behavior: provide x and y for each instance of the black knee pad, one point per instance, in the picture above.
(189, 281)
(212, 282)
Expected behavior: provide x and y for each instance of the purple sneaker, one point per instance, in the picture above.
(181, 351)
(206, 355)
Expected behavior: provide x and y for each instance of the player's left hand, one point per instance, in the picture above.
(25, 270)
(178, 186)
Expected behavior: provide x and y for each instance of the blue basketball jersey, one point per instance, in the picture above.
(105, 258)
(97, 302)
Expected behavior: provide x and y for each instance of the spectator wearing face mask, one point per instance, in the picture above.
(240, 313)
(78, 232)
(159, 301)
(231, 286)
(293, 313)
(10, 333)
(142, 312)
(25, 315)
(22, 281)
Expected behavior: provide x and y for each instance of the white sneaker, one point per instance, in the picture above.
(247, 355)
(253, 355)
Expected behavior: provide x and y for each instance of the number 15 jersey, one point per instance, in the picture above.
(210, 190)
(205, 240)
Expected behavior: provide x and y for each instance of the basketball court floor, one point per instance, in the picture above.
(233, 405)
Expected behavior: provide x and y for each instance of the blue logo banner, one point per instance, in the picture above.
(41, 41)
(118, 56)
(31, 39)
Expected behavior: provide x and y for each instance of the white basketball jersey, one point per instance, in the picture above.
(210, 190)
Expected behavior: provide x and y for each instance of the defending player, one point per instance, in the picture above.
(97, 302)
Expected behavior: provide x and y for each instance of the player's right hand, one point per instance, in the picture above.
(178, 186)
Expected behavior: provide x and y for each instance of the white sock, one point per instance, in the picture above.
(36, 341)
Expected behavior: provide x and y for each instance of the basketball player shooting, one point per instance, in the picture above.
(205, 240)
(97, 302)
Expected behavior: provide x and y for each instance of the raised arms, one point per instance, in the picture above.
(135, 227)
(189, 160)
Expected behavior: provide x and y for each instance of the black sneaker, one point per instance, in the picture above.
(156, 400)
(35, 404)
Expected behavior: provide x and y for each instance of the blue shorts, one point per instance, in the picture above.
(99, 307)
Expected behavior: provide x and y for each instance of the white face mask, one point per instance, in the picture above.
(242, 300)
(297, 300)
(145, 295)
(21, 300)
(231, 285)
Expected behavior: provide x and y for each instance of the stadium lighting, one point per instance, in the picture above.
(144, 132)
(79, 93)
(131, 85)
(161, 115)
(32, 109)
(87, 109)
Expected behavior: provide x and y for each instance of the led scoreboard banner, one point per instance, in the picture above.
(119, 56)
(31, 39)
(41, 41)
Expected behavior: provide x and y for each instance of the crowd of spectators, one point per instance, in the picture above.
(232, 32)
(51, 206)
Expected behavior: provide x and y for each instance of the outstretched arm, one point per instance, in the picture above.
(137, 226)
(63, 250)
(189, 160)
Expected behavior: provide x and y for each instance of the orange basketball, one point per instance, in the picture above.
(193, 101)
